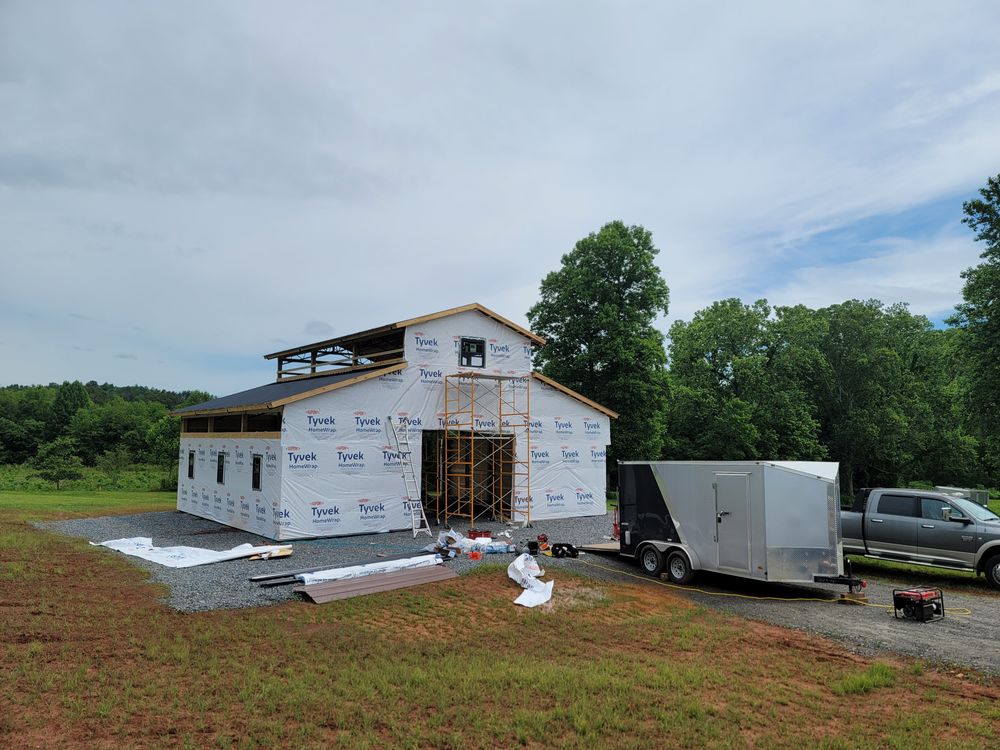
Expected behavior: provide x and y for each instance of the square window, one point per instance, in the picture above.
(472, 353)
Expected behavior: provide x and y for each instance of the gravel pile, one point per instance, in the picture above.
(226, 585)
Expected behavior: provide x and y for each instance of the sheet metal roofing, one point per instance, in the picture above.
(268, 395)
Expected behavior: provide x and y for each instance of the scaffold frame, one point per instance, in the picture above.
(485, 456)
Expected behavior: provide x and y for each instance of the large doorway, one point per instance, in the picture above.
(467, 475)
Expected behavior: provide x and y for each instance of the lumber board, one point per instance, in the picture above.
(335, 386)
(573, 394)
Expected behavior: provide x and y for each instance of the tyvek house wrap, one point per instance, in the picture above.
(233, 503)
(339, 474)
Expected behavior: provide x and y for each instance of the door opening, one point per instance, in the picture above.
(468, 475)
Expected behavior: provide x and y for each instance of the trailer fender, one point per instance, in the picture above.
(667, 547)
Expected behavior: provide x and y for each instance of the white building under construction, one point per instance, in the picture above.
(360, 433)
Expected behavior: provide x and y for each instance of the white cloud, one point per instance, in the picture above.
(226, 176)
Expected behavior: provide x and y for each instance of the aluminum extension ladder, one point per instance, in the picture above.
(418, 520)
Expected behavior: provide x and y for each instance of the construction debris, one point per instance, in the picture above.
(525, 571)
(286, 552)
(367, 569)
(563, 549)
(292, 573)
(185, 557)
(450, 543)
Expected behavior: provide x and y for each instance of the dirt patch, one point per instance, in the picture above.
(573, 595)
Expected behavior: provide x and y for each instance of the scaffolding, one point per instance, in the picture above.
(484, 450)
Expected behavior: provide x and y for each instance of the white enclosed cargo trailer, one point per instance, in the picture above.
(768, 520)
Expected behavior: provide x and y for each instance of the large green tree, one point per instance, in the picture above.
(868, 395)
(979, 317)
(597, 315)
(70, 398)
(57, 461)
(738, 378)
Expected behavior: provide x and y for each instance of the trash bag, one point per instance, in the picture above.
(524, 571)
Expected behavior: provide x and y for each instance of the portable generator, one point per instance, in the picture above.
(922, 604)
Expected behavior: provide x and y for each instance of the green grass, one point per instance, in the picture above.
(137, 478)
(91, 657)
(40, 505)
(878, 675)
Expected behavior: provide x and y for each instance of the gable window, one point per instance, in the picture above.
(472, 353)
(190, 464)
(220, 472)
(258, 459)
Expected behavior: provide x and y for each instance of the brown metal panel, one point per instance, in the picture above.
(330, 591)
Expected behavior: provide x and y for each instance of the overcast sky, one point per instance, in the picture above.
(185, 187)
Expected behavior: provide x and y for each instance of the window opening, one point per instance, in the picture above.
(190, 464)
(258, 459)
(220, 472)
(472, 353)
(228, 423)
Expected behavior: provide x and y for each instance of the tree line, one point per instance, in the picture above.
(58, 429)
(881, 390)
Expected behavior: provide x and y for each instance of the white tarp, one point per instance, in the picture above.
(183, 557)
(525, 571)
(359, 571)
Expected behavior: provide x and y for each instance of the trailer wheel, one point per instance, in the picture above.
(651, 561)
(679, 568)
(992, 570)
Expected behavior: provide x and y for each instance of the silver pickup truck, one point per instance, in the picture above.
(923, 528)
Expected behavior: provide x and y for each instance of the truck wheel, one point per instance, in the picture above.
(679, 568)
(992, 570)
(651, 561)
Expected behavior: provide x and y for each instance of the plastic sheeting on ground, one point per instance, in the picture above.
(357, 571)
(183, 557)
(525, 571)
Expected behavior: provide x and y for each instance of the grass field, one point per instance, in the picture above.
(136, 478)
(91, 658)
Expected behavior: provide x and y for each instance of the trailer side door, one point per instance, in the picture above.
(732, 520)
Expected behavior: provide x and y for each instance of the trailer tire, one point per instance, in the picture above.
(991, 568)
(679, 568)
(651, 561)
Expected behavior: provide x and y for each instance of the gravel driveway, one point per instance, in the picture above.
(961, 640)
(227, 586)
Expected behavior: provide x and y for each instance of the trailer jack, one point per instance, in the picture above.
(852, 583)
